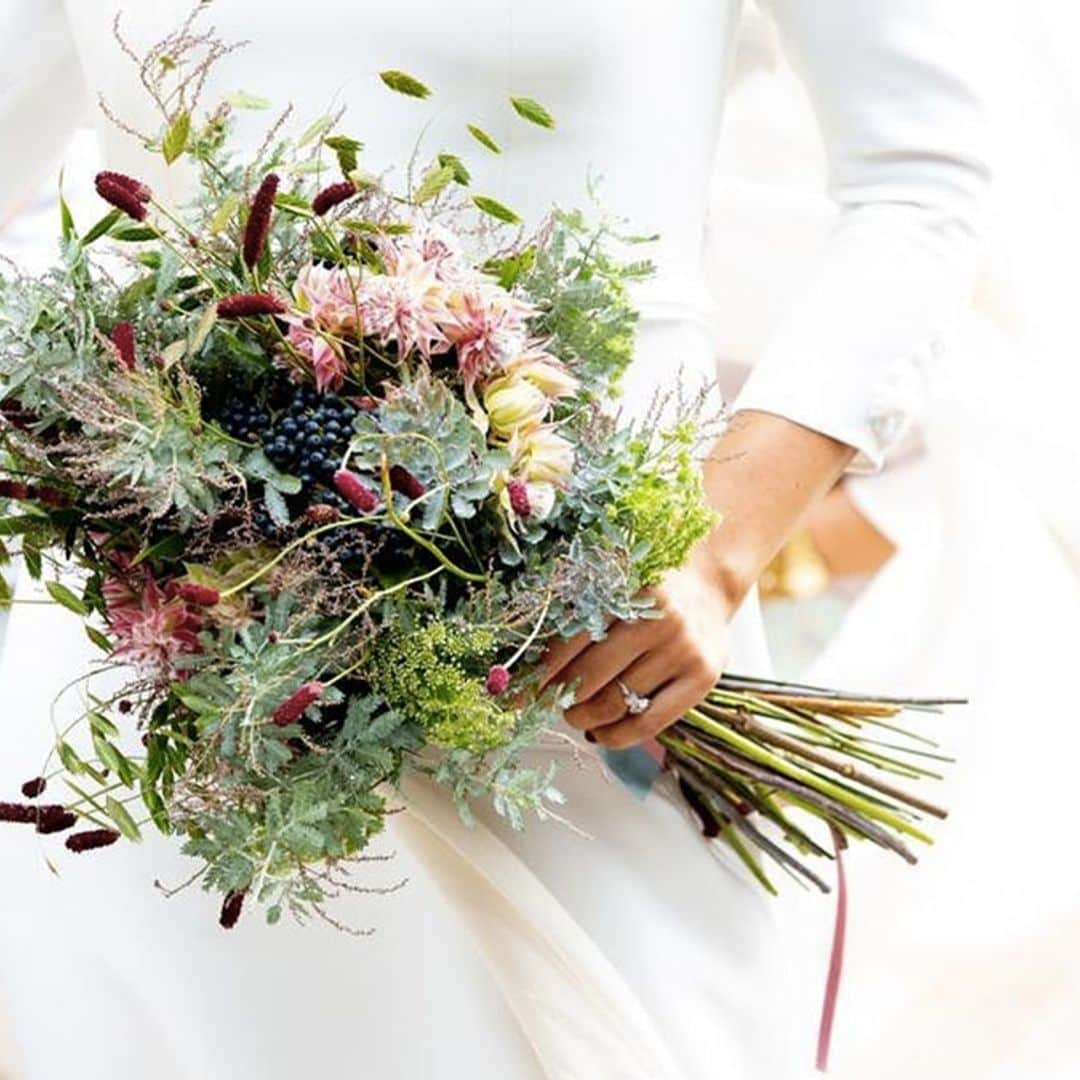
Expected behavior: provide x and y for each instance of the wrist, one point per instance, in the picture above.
(763, 474)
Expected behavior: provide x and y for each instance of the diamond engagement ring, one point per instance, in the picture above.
(636, 703)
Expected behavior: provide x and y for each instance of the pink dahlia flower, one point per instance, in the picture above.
(325, 312)
(407, 305)
(488, 328)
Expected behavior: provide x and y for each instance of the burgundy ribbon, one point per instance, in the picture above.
(836, 958)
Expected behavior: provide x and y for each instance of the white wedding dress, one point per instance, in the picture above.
(634, 951)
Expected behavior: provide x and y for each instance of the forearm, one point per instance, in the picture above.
(762, 475)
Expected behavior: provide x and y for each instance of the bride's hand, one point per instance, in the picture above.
(673, 659)
(764, 473)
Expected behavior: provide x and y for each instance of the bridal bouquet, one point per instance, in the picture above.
(332, 460)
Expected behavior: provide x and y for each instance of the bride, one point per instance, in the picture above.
(631, 950)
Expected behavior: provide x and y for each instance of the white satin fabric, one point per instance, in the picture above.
(636, 953)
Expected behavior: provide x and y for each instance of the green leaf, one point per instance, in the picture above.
(434, 182)
(402, 83)
(122, 819)
(100, 723)
(102, 227)
(533, 111)
(31, 554)
(176, 138)
(168, 547)
(346, 149)
(316, 131)
(66, 598)
(202, 329)
(98, 638)
(224, 213)
(275, 506)
(387, 228)
(240, 99)
(131, 233)
(496, 209)
(67, 222)
(293, 204)
(484, 139)
(68, 758)
(107, 754)
(461, 173)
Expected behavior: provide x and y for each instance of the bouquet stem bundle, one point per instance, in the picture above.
(755, 750)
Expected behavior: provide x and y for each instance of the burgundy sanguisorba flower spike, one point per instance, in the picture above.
(404, 483)
(258, 223)
(19, 813)
(231, 908)
(519, 498)
(137, 188)
(244, 305)
(54, 819)
(89, 839)
(123, 338)
(123, 192)
(332, 196)
(298, 703)
(498, 679)
(14, 489)
(33, 788)
(352, 488)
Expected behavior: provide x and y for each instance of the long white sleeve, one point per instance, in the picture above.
(42, 94)
(895, 86)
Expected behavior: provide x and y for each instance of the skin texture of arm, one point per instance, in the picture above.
(762, 474)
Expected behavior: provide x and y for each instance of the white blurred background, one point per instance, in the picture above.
(969, 967)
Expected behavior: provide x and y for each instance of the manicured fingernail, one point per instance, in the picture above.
(590, 737)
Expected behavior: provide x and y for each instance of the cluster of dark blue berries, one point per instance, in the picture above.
(245, 419)
(309, 438)
(306, 437)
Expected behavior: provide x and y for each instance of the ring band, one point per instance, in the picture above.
(636, 703)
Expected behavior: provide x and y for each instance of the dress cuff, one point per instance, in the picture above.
(875, 417)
